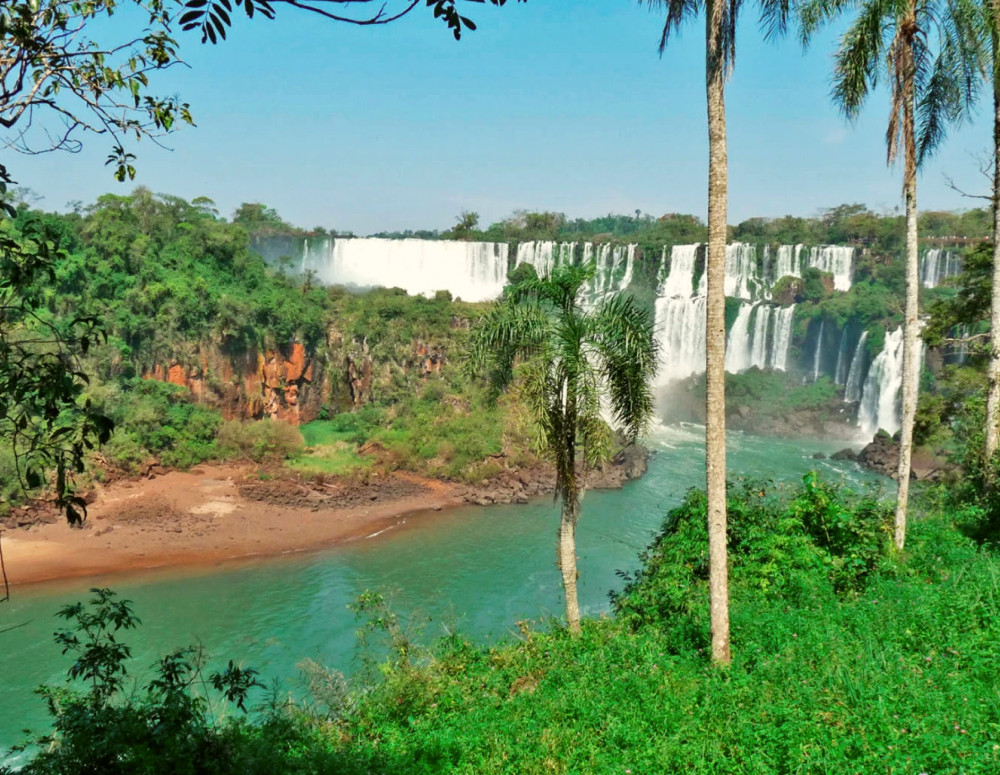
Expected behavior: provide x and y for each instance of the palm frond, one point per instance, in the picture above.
(508, 331)
(856, 63)
(622, 334)
(678, 11)
(813, 15)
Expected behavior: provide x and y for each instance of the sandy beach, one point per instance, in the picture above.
(210, 515)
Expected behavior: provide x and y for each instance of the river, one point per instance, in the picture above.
(480, 569)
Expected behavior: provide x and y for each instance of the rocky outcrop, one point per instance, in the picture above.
(519, 485)
(881, 455)
(429, 359)
(833, 422)
(281, 384)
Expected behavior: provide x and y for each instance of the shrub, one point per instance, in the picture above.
(820, 538)
(260, 441)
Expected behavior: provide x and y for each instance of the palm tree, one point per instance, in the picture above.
(567, 361)
(930, 87)
(720, 55)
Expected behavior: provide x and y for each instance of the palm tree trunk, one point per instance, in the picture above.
(911, 361)
(715, 334)
(993, 392)
(567, 558)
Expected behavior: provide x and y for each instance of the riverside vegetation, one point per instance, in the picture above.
(850, 658)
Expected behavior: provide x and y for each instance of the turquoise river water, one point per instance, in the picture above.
(480, 569)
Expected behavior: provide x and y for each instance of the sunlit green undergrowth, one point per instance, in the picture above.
(433, 433)
(893, 672)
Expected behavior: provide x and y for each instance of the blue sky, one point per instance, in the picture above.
(552, 104)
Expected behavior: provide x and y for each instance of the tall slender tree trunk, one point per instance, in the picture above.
(567, 558)
(911, 359)
(570, 509)
(715, 333)
(993, 392)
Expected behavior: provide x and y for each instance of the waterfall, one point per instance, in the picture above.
(879, 404)
(680, 281)
(819, 350)
(837, 260)
(789, 262)
(680, 318)
(880, 401)
(782, 336)
(852, 392)
(760, 336)
(741, 270)
(936, 265)
(758, 342)
(680, 328)
(544, 256)
(474, 271)
(839, 374)
(738, 344)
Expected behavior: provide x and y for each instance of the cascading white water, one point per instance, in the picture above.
(680, 318)
(474, 271)
(783, 317)
(614, 264)
(760, 336)
(789, 262)
(837, 260)
(880, 401)
(680, 280)
(741, 271)
(819, 350)
(759, 351)
(936, 265)
(680, 328)
(852, 391)
(544, 256)
(738, 343)
(840, 373)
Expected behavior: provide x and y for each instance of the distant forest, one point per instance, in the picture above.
(844, 224)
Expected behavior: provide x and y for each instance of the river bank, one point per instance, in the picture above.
(212, 514)
(219, 513)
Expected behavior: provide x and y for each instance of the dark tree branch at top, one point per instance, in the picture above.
(213, 17)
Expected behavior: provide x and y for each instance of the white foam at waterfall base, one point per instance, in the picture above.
(473, 271)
